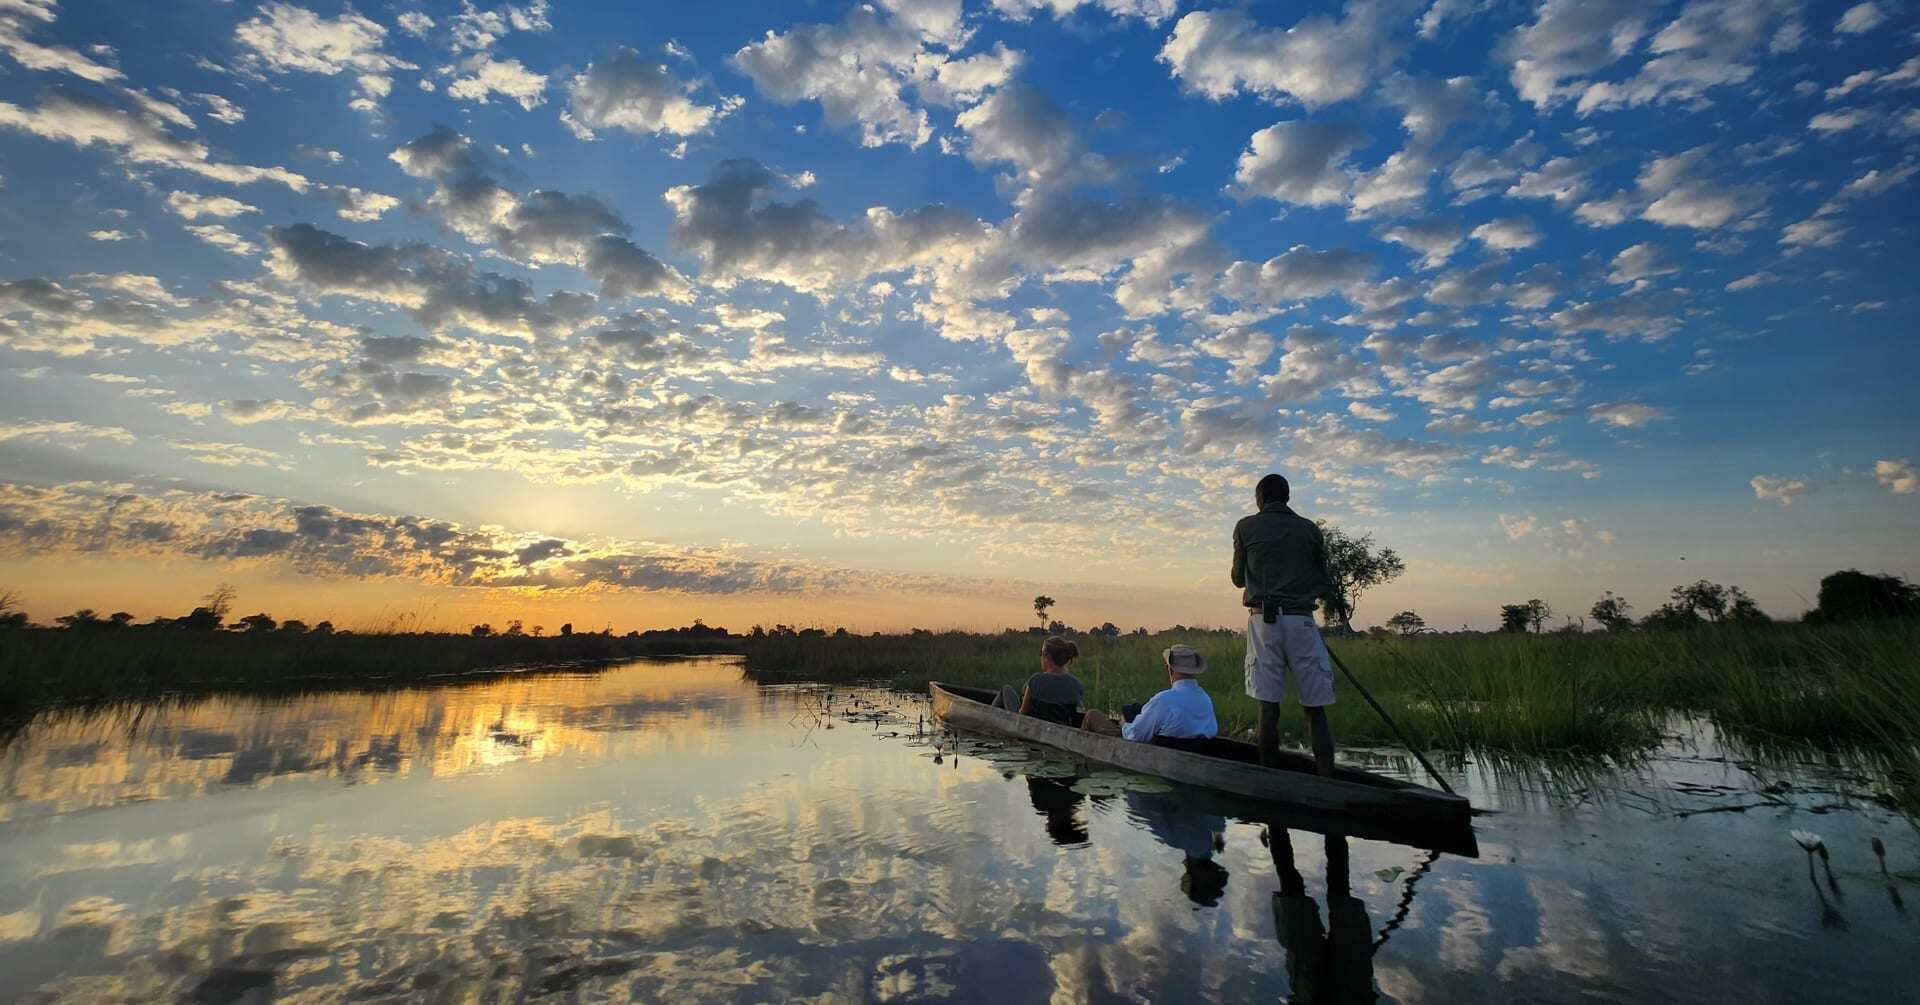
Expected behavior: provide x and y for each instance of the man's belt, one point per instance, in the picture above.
(1270, 609)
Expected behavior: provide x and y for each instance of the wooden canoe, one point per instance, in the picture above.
(1361, 797)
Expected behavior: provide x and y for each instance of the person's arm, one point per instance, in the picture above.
(1143, 726)
(1239, 560)
(1026, 700)
(1327, 591)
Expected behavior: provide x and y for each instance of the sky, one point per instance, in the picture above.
(897, 314)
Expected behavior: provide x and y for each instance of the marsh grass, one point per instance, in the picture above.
(1609, 695)
(43, 668)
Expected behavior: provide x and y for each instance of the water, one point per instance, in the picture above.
(668, 831)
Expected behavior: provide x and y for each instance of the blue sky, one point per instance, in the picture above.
(899, 313)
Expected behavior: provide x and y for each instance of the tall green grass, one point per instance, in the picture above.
(1854, 687)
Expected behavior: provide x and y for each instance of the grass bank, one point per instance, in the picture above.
(1593, 694)
(42, 668)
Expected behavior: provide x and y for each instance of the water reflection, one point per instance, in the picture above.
(670, 831)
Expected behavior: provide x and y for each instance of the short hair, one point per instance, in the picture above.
(1060, 650)
(1272, 488)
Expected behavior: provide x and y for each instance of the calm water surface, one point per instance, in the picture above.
(669, 831)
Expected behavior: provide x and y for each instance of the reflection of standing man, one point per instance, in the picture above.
(1280, 562)
(1331, 965)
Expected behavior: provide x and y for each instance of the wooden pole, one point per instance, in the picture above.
(1415, 751)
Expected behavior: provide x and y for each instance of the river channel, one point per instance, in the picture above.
(671, 831)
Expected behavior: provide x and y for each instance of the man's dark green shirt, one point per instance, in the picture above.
(1280, 556)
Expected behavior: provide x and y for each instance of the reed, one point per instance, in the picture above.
(1853, 687)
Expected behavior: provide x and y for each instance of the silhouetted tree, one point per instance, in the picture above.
(1709, 600)
(1613, 613)
(200, 619)
(323, 628)
(10, 614)
(1670, 617)
(566, 629)
(261, 622)
(481, 631)
(1742, 610)
(1407, 623)
(1040, 605)
(220, 601)
(1108, 629)
(1355, 565)
(1513, 617)
(513, 628)
(119, 619)
(1850, 595)
(293, 626)
(1538, 611)
(83, 618)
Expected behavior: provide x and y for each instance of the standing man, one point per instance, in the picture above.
(1280, 562)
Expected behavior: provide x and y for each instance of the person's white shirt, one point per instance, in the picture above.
(1184, 710)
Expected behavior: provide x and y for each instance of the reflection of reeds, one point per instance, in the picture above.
(41, 667)
(1846, 687)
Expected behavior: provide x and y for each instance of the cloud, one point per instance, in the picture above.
(1860, 19)
(859, 70)
(641, 96)
(485, 75)
(1151, 11)
(739, 234)
(1641, 261)
(541, 227)
(1021, 126)
(288, 39)
(1624, 414)
(1898, 477)
(1818, 232)
(1779, 488)
(190, 206)
(1435, 239)
(17, 21)
(1318, 61)
(1298, 161)
(1569, 39)
(224, 239)
(1680, 191)
(1840, 121)
(1712, 43)
(1508, 234)
(85, 121)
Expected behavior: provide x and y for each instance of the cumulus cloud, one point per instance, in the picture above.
(480, 75)
(192, 207)
(540, 227)
(1435, 239)
(1624, 414)
(1711, 43)
(1898, 477)
(85, 121)
(1507, 234)
(284, 38)
(639, 95)
(1641, 261)
(860, 68)
(1151, 11)
(1317, 61)
(1779, 488)
(1567, 40)
(1860, 19)
(1021, 126)
(1299, 161)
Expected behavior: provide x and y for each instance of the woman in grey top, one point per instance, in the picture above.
(1053, 693)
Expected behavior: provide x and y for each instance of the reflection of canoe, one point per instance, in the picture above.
(1352, 796)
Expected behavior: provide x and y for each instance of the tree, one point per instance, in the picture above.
(567, 629)
(1670, 617)
(514, 628)
(261, 622)
(1613, 613)
(1520, 617)
(293, 626)
(1108, 629)
(10, 614)
(1848, 595)
(481, 631)
(1407, 623)
(1704, 598)
(323, 628)
(1743, 611)
(1355, 565)
(80, 619)
(1040, 605)
(119, 619)
(219, 602)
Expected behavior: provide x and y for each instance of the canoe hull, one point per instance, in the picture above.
(1352, 795)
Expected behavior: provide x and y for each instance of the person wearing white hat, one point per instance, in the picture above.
(1184, 710)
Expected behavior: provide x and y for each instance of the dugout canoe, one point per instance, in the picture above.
(1230, 767)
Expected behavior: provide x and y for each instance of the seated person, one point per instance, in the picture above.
(1052, 694)
(1184, 710)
